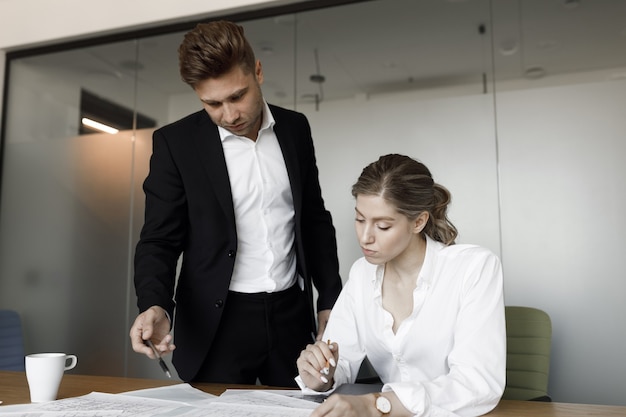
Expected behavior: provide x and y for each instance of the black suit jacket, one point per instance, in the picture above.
(189, 210)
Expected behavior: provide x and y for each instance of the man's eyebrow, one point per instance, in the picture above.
(234, 94)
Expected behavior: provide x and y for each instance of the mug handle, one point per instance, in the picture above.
(73, 360)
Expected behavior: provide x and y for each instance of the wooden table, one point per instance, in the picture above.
(14, 386)
(14, 390)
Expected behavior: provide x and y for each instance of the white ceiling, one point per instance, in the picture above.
(375, 46)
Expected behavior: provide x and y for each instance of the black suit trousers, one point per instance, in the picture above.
(260, 336)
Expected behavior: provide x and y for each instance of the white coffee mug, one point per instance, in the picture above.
(44, 372)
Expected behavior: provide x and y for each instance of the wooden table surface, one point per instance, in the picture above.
(14, 390)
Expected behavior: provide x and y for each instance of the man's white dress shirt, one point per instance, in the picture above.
(264, 213)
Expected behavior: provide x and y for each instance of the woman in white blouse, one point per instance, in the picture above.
(427, 313)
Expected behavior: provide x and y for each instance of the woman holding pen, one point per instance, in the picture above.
(427, 313)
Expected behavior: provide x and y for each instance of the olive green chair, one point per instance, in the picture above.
(529, 339)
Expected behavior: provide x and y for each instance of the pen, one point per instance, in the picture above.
(326, 369)
(160, 359)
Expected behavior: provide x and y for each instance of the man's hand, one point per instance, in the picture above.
(322, 320)
(154, 325)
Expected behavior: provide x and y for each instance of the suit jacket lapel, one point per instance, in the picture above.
(290, 155)
(209, 148)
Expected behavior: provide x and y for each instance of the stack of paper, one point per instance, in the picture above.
(180, 400)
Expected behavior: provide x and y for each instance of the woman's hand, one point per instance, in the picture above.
(338, 405)
(317, 364)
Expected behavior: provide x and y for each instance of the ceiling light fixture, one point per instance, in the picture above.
(99, 126)
(508, 47)
(571, 4)
(266, 48)
(132, 65)
(318, 79)
(534, 73)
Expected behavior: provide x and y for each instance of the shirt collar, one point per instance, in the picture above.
(268, 122)
(432, 249)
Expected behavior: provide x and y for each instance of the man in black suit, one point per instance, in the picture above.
(234, 188)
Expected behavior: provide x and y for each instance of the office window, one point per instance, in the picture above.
(107, 114)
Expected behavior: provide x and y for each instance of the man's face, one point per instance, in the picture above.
(234, 100)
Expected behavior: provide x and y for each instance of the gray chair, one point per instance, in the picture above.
(367, 374)
(11, 341)
(529, 339)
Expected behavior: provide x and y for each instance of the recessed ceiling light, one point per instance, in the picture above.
(508, 47)
(617, 75)
(266, 49)
(534, 73)
(571, 4)
(132, 65)
(547, 44)
(286, 19)
(317, 78)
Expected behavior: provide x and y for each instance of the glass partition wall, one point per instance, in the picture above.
(514, 109)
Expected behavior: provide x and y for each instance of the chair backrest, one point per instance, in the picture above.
(11, 341)
(529, 339)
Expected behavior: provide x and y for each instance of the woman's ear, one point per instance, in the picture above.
(420, 222)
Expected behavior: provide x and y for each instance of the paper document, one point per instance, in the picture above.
(180, 400)
(261, 398)
(183, 393)
(218, 409)
(96, 404)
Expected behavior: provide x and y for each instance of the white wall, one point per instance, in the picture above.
(563, 202)
(461, 156)
(562, 176)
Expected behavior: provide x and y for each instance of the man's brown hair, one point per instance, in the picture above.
(212, 49)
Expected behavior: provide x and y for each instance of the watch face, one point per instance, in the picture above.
(383, 405)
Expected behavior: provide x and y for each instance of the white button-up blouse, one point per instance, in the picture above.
(448, 358)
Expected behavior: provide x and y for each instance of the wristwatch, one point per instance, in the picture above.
(382, 404)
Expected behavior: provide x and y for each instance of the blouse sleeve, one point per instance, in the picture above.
(343, 327)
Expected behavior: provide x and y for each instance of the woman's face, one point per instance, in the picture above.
(383, 233)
